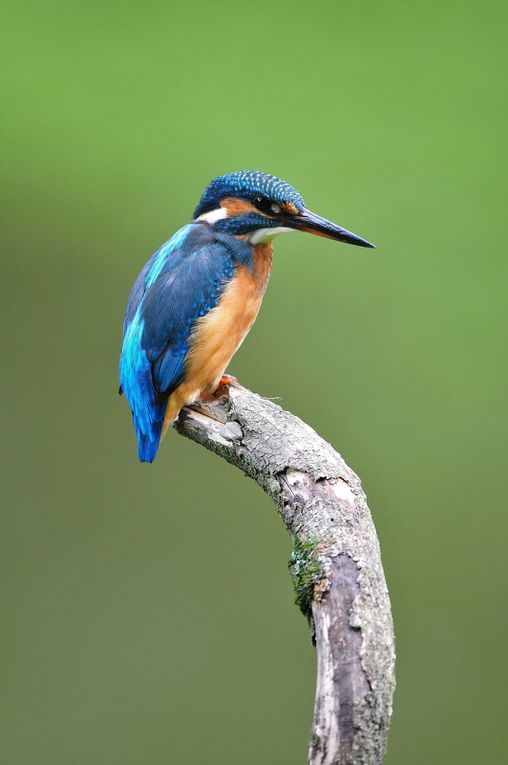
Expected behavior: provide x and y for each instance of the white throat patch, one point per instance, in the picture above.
(262, 235)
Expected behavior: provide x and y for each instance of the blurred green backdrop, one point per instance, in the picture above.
(147, 612)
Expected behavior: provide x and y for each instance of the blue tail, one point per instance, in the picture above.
(148, 424)
(148, 407)
(148, 445)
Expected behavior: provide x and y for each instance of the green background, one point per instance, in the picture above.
(147, 611)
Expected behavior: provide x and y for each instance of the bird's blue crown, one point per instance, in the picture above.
(247, 184)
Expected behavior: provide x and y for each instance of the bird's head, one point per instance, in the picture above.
(259, 206)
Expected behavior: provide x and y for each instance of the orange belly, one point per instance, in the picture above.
(219, 334)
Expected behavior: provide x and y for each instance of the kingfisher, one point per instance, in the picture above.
(197, 297)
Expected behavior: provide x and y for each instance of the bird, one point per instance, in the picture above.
(197, 297)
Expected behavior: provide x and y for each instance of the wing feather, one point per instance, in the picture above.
(181, 282)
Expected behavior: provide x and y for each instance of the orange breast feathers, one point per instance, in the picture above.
(220, 333)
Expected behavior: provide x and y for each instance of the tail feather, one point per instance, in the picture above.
(149, 431)
(148, 407)
(148, 445)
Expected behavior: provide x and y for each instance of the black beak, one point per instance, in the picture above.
(315, 224)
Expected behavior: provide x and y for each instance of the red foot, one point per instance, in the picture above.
(222, 388)
(227, 380)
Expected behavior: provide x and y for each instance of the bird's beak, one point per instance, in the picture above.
(315, 224)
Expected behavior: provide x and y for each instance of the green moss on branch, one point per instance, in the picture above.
(305, 572)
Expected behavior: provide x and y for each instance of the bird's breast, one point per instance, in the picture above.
(263, 254)
(220, 333)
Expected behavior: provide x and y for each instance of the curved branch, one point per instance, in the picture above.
(336, 565)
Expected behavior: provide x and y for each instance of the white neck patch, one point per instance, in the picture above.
(213, 215)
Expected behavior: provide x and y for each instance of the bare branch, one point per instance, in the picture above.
(336, 565)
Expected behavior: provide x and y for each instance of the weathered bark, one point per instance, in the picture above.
(336, 565)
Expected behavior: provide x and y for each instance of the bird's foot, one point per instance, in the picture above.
(209, 396)
(222, 388)
(227, 380)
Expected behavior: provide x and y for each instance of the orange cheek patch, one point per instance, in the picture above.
(235, 206)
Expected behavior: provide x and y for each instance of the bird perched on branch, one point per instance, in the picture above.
(197, 297)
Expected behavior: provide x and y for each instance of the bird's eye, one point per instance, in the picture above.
(266, 205)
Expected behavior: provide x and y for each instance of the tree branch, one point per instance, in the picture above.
(336, 565)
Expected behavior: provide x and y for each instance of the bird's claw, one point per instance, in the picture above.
(227, 380)
(222, 388)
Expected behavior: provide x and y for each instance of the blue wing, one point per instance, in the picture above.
(181, 282)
